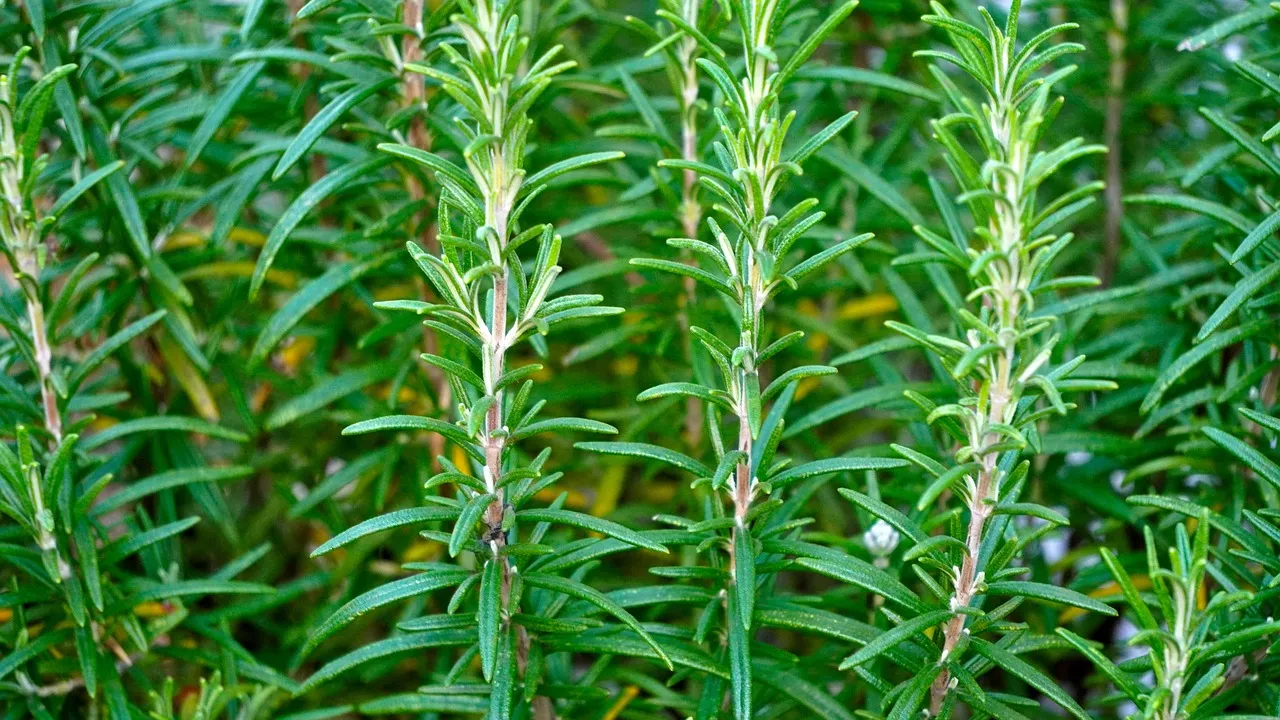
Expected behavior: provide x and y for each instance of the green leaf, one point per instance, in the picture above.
(678, 268)
(900, 522)
(687, 389)
(328, 391)
(408, 422)
(1264, 230)
(502, 688)
(856, 572)
(1033, 677)
(382, 523)
(884, 192)
(1227, 27)
(823, 136)
(904, 631)
(1195, 355)
(16, 658)
(1207, 208)
(1050, 593)
(593, 524)
(323, 120)
(1117, 676)
(231, 94)
(489, 616)
(816, 468)
(466, 525)
(575, 589)
(739, 662)
(744, 575)
(122, 195)
(420, 703)
(87, 654)
(82, 186)
(128, 545)
(555, 170)
(110, 345)
(808, 695)
(306, 299)
(1243, 139)
(167, 480)
(817, 261)
(1249, 455)
(161, 423)
(852, 402)
(306, 202)
(386, 648)
(870, 78)
(1248, 286)
(186, 588)
(652, 452)
(560, 425)
(432, 162)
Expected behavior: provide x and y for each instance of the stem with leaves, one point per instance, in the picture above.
(21, 233)
(491, 300)
(1001, 362)
(749, 267)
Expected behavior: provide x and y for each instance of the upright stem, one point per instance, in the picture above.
(40, 342)
(20, 238)
(415, 94)
(1117, 38)
(493, 419)
(1004, 297)
(1176, 654)
(501, 185)
(690, 209)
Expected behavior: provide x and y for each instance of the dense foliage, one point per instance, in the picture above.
(941, 373)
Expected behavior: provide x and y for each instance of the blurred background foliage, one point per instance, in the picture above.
(209, 309)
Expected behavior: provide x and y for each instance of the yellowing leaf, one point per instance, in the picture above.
(624, 699)
(180, 367)
(423, 551)
(294, 352)
(240, 268)
(152, 609)
(626, 365)
(184, 239)
(870, 306)
(608, 491)
(245, 236)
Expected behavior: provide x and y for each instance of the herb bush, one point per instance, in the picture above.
(609, 359)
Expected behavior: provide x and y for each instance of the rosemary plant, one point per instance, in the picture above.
(490, 303)
(680, 51)
(1203, 643)
(752, 261)
(1198, 650)
(1002, 361)
(76, 594)
(204, 210)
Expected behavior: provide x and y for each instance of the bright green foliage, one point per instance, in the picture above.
(639, 360)
(1002, 358)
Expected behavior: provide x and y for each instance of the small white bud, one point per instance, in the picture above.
(1078, 458)
(881, 539)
